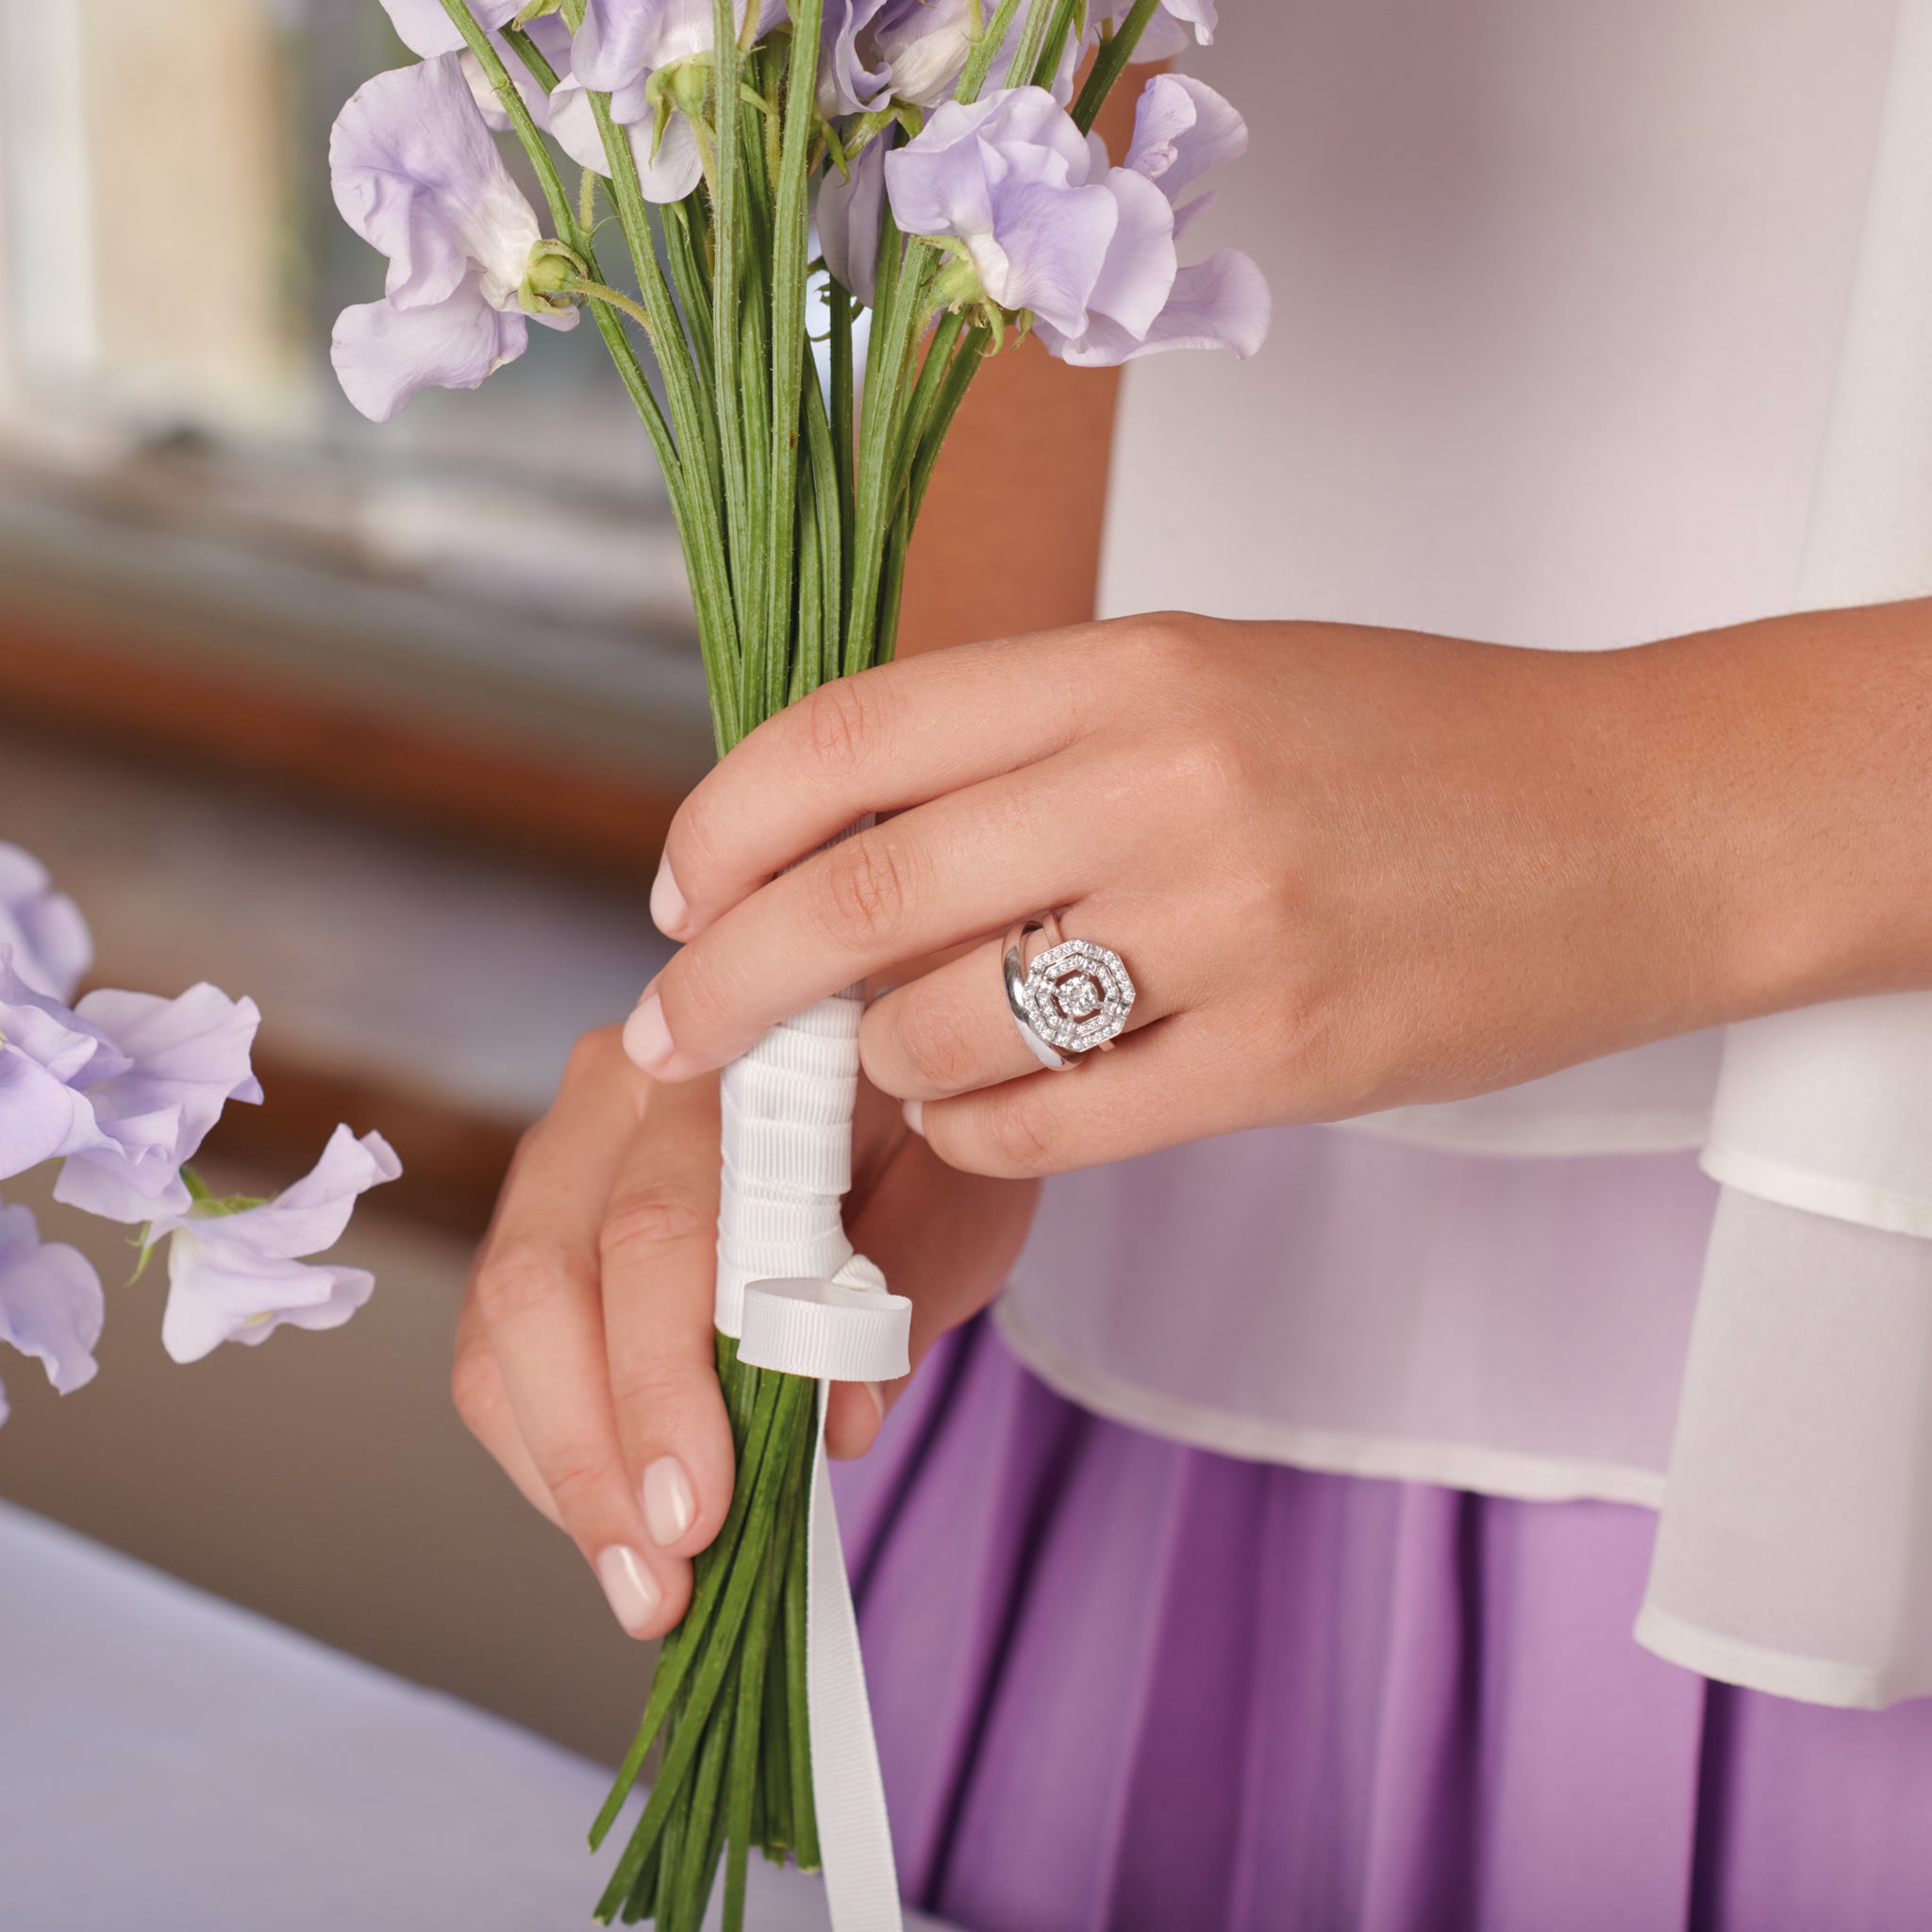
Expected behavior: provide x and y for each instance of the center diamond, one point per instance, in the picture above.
(1078, 996)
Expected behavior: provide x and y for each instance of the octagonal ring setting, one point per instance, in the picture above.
(1068, 1001)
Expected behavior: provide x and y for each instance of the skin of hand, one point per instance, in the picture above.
(584, 1349)
(1348, 869)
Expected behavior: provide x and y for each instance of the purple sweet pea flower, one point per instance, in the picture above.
(1182, 129)
(917, 50)
(237, 1277)
(49, 1056)
(620, 47)
(417, 174)
(51, 1304)
(52, 946)
(1043, 223)
(425, 28)
(1168, 33)
(187, 1057)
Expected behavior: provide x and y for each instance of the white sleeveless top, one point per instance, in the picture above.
(1595, 325)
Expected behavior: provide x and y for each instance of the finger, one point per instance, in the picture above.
(948, 1242)
(537, 1286)
(951, 1031)
(1180, 1079)
(659, 1254)
(481, 1400)
(889, 738)
(965, 865)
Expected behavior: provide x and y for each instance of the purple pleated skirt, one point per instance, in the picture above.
(1125, 1686)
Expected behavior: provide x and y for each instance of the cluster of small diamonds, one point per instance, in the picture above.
(1078, 995)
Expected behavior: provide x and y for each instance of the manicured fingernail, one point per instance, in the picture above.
(669, 1508)
(646, 1037)
(632, 1590)
(669, 914)
(914, 1110)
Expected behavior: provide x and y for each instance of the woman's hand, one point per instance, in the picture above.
(583, 1351)
(1346, 868)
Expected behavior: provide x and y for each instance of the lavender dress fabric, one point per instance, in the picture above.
(1125, 1686)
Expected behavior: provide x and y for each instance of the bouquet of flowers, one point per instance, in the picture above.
(903, 186)
(121, 1089)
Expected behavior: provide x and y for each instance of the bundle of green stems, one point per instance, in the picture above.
(795, 504)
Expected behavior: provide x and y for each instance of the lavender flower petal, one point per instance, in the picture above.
(383, 355)
(850, 213)
(668, 175)
(51, 1304)
(52, 946)
(847, 83)
(621, 41)
(417, 174)
(1222, 303)
(189, 1058)
(237, 1277)
(48, 1058)
(425, 28)
(1182, 129)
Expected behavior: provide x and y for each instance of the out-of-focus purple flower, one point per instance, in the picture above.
(51, 1304)
(425, 28)
(1043, 223)
(187, 1057)
(52, 946)
(1168, 33)
(849, 211)
(1182, 129)
(237, 1277)
(49, 1056)
(417, 174)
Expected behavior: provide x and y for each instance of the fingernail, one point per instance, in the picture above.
(914, 1110)
(876, 1391)
(632, 1590)
(669, 914)
(646, 1037)
(669, 1508)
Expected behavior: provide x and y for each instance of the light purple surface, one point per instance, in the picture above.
(1127, 1687)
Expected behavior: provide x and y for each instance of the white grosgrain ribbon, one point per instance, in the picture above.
(797, 1299)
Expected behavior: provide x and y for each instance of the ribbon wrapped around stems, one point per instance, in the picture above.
(798, 1300)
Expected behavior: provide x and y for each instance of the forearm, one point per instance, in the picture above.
(1780, 783)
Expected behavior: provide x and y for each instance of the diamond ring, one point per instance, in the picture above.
(1068, 1001)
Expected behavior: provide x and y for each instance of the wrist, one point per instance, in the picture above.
(1782, 795)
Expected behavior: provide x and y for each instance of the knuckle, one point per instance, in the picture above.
(1164, 650)
(575, 1480)
(476, 1386)
(935, 1046)
(862, 890)
(644, 1390)
(590, 1056)
(841, 722)
(702, 994)
(1016, 1141)
(645, 1225)
(518, 1276)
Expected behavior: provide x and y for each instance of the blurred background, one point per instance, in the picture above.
(381, 726)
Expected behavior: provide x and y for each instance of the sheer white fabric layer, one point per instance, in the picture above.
(1599, 323)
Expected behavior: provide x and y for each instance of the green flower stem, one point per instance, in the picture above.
(1111, 62)
(979, 62)
(1039, 16)
(708, 1677)
(701, 530)
(684, 1644)
(788, 345)
(1055, 46)
(841, 305)
(727, 351)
